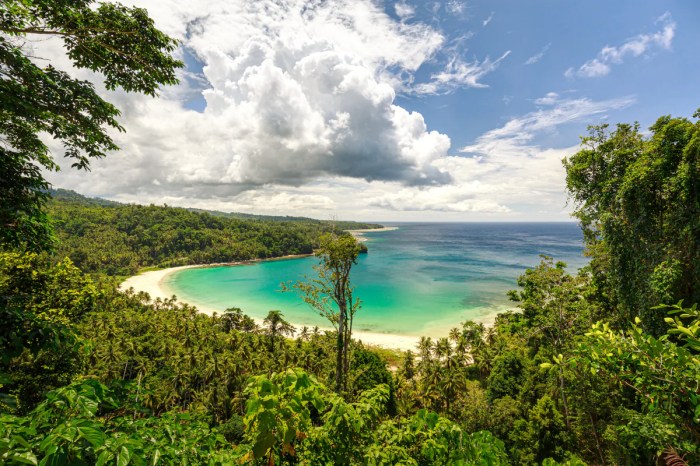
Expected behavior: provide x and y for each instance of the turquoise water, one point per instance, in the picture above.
(420, 279)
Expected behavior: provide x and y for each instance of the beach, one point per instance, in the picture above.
(152, 282)
(359, 234)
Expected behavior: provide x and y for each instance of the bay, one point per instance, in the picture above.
(420, 279)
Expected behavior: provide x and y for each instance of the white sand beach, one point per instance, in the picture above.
(359, 234)
(372, 230)
(152, 283)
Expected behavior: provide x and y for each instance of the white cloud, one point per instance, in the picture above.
(294, 91)
(301, 118)
(504, 171)
(634, 47)
(511, 137)
(550, 98)
(488, 20)
(537, 57)
(456, 7)
(404, 10)
(458, 74)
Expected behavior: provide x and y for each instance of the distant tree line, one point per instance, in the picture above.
(119, 239)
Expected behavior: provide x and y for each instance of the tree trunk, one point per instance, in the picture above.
(563, 397)
(339, 360)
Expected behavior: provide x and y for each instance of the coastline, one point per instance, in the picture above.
(370, 230)
(152, 282)
(359, 234)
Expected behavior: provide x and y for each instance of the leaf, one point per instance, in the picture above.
(26, 457)
(264, 442)
(103, 458)
(92, 435)
(156, 456)
(123, 457)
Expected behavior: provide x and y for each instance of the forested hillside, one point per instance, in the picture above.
(119, 239)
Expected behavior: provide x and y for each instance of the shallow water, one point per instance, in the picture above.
(421, 279)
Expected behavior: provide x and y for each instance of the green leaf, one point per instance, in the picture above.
(26, 457)
(123, 457)
(92, 435)
(156, 456)
(264, 442)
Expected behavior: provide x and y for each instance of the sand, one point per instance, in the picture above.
(152, 283)
(372, 230)
(359, 234)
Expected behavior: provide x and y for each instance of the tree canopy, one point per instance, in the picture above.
(120, 43)
(638, 200)
(331, 295)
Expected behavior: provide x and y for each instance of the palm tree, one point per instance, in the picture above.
(275, 325)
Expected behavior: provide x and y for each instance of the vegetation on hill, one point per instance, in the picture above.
(119, 239)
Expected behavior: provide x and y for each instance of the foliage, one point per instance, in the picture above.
(553, 305)
(542, 434)
(638, 200)
(118, 42)
(331, 294)
(117, 239)
(275, 327)
(82, 424)
(281, 429)
(663, 375)
(39, 305)
(278, 415)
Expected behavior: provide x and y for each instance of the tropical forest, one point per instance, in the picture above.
(598, 365)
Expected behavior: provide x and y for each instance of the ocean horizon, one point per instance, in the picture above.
(420, 279)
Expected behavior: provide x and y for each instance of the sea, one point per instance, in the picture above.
(420, 279)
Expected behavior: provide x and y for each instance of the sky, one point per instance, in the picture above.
(389, 111)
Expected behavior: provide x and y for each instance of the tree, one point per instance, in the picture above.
(663, 375)
(638, 200)
(118, 42)
(331, 294)
(40, 304)
(276, 326)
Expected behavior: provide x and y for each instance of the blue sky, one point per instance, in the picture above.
(411, 110)
(566, 34)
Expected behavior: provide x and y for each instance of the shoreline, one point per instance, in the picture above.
(151, 282)
(370, 230)
(361, 238)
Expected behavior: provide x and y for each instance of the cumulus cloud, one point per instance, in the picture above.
(294, 91)
(504, 170)
(301, 115)
(550, 98)
(634, 47)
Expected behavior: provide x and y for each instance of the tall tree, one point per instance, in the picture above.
(331, 294)
(638, 200)
(118, 42)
